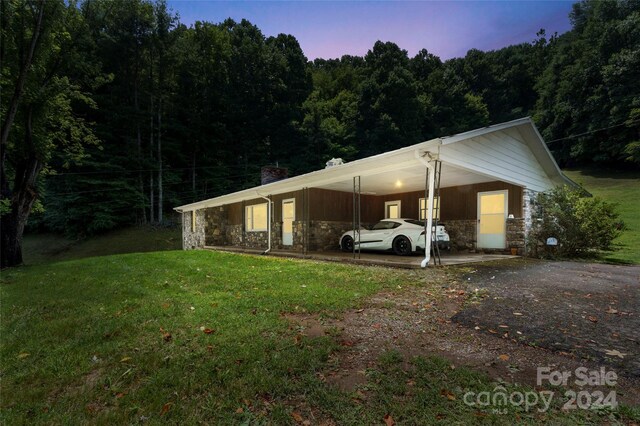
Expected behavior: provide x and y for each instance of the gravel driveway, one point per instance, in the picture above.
(588, 310)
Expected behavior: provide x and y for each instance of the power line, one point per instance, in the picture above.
(594, 131)
(133, 171)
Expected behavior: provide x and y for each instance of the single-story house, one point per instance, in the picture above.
(480, 184)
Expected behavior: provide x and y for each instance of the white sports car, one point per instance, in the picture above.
(403, 236)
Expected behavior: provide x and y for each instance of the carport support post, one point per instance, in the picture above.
(429, 200)
(356, 214)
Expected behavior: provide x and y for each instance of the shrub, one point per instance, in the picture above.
(583, 226)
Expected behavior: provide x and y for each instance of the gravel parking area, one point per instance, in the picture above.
(591, 311)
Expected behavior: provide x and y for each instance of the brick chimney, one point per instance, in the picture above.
(269, 174)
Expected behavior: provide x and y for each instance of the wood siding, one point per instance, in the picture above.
(457, 203)
(461, 202)
(236, 213)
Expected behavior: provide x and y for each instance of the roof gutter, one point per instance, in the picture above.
(268, 221)
(428, 231)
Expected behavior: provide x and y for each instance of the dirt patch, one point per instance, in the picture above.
(418, 322)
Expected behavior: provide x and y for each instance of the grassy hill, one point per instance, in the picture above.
(42, 248)
(201, 337)
(622, 188)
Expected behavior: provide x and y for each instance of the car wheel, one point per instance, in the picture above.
(402, 246)
(347, 243)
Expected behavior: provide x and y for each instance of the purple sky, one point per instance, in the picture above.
(330, 29)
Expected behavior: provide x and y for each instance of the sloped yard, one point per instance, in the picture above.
(207, 337)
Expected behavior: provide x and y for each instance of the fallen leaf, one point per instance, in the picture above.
(388, 420)
(614, 352)
(503, 357)
(297, 417)
(166, 337)
(239, 410)
(23, 355)
(450, 396)
(208, 331)
(119, 395)
(126, 359)
(592, 318)
(165, 408)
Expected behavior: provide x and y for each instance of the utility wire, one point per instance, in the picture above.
(168, 169)
(596, 130)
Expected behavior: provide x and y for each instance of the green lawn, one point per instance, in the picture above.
(199, 337)
(622, 188)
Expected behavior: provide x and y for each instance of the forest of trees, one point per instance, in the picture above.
(113, 112)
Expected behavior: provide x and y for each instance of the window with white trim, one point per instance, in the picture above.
(256, 217)
(423, 208)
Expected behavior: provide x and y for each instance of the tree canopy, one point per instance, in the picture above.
(113, 111)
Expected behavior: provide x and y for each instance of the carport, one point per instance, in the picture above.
(479, 183)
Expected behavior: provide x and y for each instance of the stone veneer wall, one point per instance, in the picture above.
(215, 226)
(193, 239)
(233, 235)
(529, 202)
(462, 233)
(325, 235)
(516, 235)
(212, 228)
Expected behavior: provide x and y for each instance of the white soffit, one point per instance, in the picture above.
(381, 173)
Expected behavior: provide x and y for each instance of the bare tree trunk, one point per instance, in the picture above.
(22, 77)
(152, 206)
(193, 172)
(139, 150)
(160, 192)
(24, 195)
(152, 213)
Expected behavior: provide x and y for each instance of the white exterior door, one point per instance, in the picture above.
(392, 209)
(492, 219)
(288, 216)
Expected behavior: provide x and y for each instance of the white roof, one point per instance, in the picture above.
(513, 152)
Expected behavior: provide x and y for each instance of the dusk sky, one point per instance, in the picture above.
(330, 29)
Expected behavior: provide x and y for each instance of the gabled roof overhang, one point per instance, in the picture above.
(380, 174)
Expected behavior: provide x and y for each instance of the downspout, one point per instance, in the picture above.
(268, 222)
(429, 232)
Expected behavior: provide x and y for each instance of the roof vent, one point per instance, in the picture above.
(334, 162)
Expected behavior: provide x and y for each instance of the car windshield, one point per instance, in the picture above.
(385, 224)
